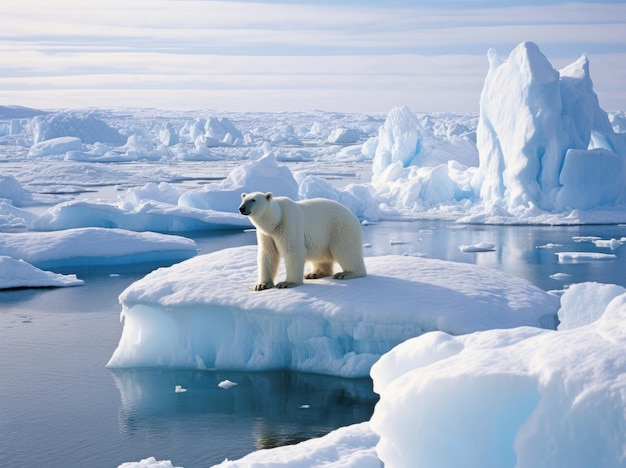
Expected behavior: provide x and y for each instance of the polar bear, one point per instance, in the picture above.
(318, 230)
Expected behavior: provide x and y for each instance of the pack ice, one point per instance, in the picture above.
(202, 313)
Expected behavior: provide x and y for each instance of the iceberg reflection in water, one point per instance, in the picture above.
(270, 408)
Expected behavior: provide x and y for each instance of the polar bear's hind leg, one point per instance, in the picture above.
(320, 270)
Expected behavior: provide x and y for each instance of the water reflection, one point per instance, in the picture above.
(266, 409)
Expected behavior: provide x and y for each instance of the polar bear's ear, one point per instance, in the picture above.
(269, 196)
(243, 195)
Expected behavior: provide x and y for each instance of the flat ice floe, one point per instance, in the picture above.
(584, 257)
(20, 274)
(94, 246)
(202, 313)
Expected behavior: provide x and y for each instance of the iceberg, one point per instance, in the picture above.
(203, 314)
(86, 126)
(542, 138)
(262, 175)
(20, 274)
(517, 397)
(94, 246)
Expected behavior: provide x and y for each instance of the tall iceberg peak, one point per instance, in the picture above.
(536, 132)
(519, 136)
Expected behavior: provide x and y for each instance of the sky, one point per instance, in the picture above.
(263, 55)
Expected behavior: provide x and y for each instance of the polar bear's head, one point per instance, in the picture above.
(255, 203)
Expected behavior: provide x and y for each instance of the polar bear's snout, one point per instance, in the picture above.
(244, 208)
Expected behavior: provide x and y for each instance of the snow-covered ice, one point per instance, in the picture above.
(480, 247)
(584, 257)
(518, 397)
(226, 384)
(203, 313)
(94, 246)
(521, 396)
(149, 462)
(20, 274)
(352, 446)
(467, 368)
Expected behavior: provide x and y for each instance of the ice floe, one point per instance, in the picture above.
(202, 313)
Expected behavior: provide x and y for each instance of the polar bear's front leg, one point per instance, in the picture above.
(295, 255)
(267, 262)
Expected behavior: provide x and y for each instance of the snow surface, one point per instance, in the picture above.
(203, 313)
(94, 246)
(20, 274)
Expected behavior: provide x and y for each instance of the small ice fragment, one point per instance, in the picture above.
(367, 246)
(305, 406)
(397, 242)
(226, 384)
(549, 246)
(179, 389)
(480, 247)
(585, 238)
(560, 276)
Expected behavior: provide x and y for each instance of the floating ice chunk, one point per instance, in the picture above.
(179, 389)
(206, 307)
(583, 257)
(517, 397)
(398, 242)
(560, 276)
(305, 406)
(586, 238)
(11, 189)
(480, 247)
(147, 215)
(149, 462)
(56, 146)
(95, 246)
(611, 243)
(549, 245)
(226, 384)
(20, 274)
(344, 136)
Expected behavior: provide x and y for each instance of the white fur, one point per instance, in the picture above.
(319, 231)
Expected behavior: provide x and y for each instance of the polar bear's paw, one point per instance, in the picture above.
(286, 284)
(262, 286)
(346, 275)
(315, 275)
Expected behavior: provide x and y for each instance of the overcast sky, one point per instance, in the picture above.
(336, 55)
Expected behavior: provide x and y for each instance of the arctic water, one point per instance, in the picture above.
(62, 407)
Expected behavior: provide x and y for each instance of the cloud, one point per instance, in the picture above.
(279, 56)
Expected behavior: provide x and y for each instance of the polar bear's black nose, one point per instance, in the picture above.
(242, 210)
